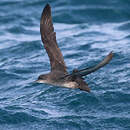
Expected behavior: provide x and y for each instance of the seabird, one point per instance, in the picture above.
(58, 76)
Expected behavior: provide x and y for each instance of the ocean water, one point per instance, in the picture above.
(87, 30)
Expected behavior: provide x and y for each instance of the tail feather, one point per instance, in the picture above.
(82, 84)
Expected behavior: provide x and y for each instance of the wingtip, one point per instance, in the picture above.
(45, 13)
(47, 6)
(46, 10)
(111, 54)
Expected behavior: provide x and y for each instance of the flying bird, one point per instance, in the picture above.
(59, 76)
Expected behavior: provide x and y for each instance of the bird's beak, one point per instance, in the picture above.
(37, 81)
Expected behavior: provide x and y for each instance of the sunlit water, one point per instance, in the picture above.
(86, 32)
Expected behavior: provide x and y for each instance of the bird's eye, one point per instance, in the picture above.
(39, 77)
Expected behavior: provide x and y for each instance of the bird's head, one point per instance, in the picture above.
(42, 78)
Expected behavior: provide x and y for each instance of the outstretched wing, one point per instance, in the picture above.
(48, 37)
(87, 71)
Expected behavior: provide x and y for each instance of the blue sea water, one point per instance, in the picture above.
(87, 30)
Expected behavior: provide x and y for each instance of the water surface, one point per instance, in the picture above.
(86, 32)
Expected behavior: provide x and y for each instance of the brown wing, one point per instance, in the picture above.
(48, 37)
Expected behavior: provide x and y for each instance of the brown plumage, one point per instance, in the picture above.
(59, 75)
(48, 37)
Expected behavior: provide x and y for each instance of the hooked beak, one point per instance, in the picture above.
(36, 81)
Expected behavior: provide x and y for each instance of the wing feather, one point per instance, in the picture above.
(48, 37)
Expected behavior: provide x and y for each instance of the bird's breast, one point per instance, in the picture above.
(67, 84)
(70, 84)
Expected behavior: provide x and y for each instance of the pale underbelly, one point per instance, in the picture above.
(70, 85)
(61, 84)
